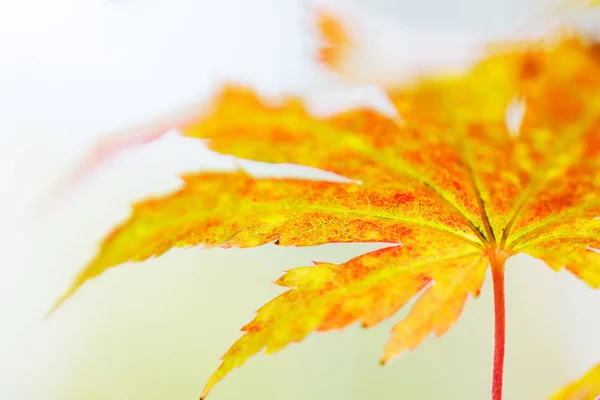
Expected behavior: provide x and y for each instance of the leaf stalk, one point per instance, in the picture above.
(497, 263)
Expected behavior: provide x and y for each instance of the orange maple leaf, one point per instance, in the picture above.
(453, 187)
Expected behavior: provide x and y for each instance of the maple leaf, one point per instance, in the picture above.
(452, 186)
(586, 388)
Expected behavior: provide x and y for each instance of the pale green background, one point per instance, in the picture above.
(72, 70)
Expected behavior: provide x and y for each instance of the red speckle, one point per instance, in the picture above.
(403, 198)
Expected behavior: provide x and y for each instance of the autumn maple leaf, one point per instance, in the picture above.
(451, 186)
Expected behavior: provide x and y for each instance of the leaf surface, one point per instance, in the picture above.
(236, 210)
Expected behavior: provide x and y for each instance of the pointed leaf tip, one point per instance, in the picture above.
(60, 301)
(205, 393)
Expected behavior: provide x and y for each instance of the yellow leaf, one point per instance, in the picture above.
(586, 388)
